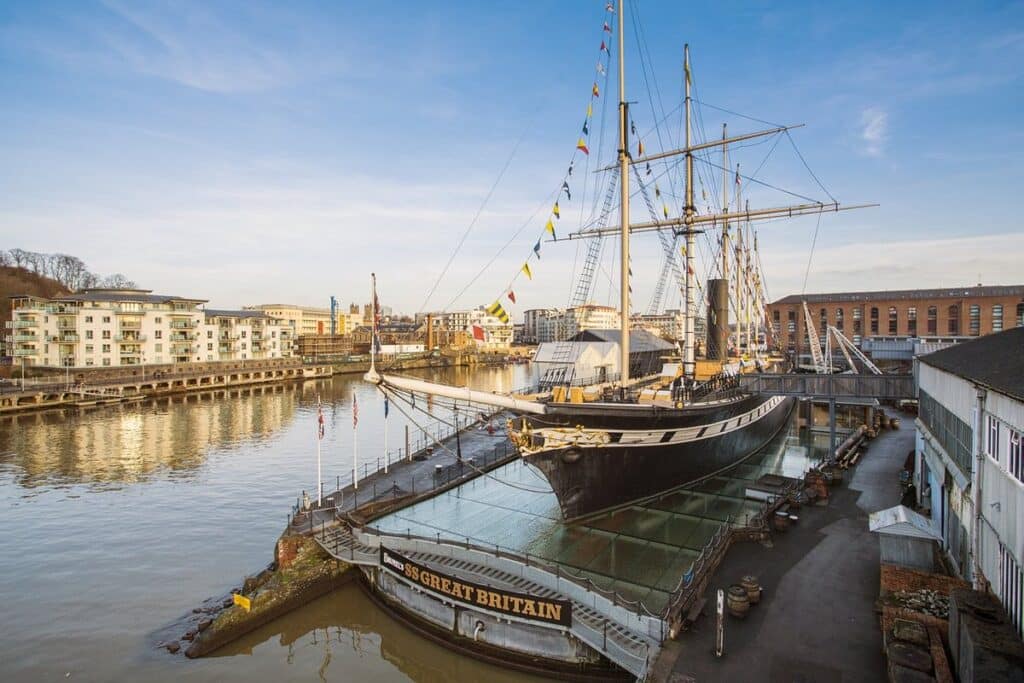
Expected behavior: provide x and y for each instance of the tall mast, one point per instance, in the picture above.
(726, 255)
(689, 361)
(624, 199)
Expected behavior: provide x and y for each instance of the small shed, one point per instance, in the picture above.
(906, 538)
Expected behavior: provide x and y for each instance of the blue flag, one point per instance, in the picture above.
(536, 248)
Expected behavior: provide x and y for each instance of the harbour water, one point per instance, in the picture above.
(117, 521)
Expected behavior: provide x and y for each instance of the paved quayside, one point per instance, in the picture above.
(816, 619)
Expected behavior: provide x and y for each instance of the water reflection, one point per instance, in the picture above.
(346, 624)
(126, 443)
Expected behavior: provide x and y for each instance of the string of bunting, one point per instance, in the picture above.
(582, 147)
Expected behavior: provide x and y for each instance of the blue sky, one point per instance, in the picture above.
(251, 152)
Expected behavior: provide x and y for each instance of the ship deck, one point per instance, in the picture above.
(640, 551)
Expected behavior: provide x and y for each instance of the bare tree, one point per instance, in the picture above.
(19, 257)
(5, 258)
(118, 281)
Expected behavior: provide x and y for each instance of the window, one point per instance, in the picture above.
(209, 358)
(1011, 588)
(874, 320)
(88, 334)
(106, 348)
(912, 321)
(857, 313)
(953, 434)
(933, 320)
(791, 326)
(992, 443)
(974, 320)
(158, 348)
(158, 320)
(1015, 456)
(775, 315)
(953, 319)
(209, 334)
(106, 361)
(1020, 315)
(106, 334)
(89, 348)
(243, 348)
(158, 334)
(243, 336)
(893, 320)
(997, 317)
(856, 339)
(106, 318)
(88, 318)
(792, 315)
(209, 347)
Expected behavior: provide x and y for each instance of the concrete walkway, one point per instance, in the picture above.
(411, 476)
(816, 619)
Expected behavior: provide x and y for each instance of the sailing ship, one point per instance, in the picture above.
(634, 437)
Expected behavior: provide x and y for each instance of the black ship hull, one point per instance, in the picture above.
(646, 450)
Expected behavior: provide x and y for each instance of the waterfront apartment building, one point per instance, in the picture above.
(960, 312)
(542, 325)
(670, 325)
(119, 327)
(497, 335)
(304, 320)
(969, 468)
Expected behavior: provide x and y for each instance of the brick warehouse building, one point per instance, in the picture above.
(961, 312)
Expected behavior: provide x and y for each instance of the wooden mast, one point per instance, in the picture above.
(623, 201)
(689, 360)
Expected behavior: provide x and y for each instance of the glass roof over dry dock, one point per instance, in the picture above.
(641, 551)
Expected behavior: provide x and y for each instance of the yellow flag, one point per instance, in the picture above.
(526, 271)
(242, 601)
(550, 227)
(665, 208)
(498, 312)
(556, 211)
(590, 111)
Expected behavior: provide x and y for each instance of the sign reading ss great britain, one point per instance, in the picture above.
(519, 605)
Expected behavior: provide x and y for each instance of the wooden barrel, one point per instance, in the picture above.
(781, 520)
(737, 601)
(753, 588)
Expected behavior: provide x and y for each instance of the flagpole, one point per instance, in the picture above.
(355, 444)
(319, 437)
(386, 457)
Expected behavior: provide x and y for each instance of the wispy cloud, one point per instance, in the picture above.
(874, 130)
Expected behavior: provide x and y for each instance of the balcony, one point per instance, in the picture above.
(25, 352)
(183, 324)
(25, 337)
(130, 338)
(228, 337)
(131, 325)
(181, 348)
(65, 338)
(22, 324)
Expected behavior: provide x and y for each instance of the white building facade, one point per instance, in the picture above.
(108, 327)
(497, 335)
(970, 464)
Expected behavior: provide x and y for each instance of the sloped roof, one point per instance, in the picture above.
(639, 340)
(902, 521)
(995, 361)
(904, 294)
(124, 295)
(220, 313)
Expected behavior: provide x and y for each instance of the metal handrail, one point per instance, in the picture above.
(498, 550)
